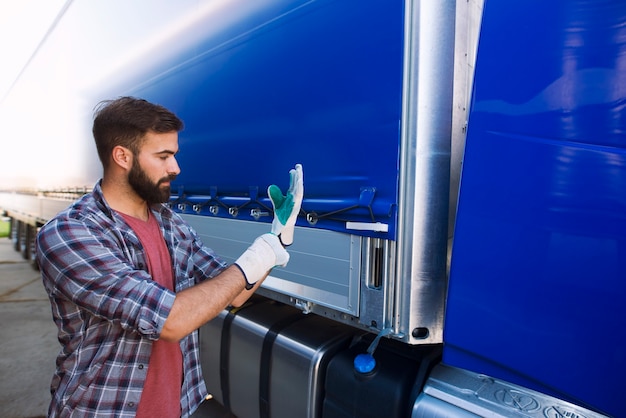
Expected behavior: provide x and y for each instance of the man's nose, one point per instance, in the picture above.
(174, 168)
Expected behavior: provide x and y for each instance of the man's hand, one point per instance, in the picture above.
(287, 208)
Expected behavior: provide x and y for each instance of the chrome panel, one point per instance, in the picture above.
(425, 171)
(451, 391)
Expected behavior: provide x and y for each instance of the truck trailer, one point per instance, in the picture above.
(461, 247)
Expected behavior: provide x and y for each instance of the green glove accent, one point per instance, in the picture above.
(287, 208)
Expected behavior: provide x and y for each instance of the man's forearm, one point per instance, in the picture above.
(195, 306)
(245, 294)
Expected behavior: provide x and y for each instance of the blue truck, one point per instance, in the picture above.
(461, 249)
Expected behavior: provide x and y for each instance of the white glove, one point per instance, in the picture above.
(265, 253)
(287, 208)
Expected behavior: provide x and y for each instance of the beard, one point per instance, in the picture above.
(146, 189)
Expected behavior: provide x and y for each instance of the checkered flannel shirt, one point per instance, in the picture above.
(108, 309)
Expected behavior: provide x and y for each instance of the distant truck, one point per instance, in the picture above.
(461, 249)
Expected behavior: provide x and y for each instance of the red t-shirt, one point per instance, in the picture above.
(161, 391)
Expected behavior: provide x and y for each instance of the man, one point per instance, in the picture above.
(130, 282)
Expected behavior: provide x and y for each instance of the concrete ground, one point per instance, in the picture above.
(28, 343)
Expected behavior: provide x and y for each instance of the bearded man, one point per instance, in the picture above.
(130, 282)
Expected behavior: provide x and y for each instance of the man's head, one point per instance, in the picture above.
(141, 138)
(125, 122)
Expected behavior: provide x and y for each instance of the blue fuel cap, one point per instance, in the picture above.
(364, 363)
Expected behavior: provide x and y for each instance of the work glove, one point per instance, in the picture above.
(265, 253)
(287, 208)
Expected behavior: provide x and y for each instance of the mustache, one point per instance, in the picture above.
(169, 178)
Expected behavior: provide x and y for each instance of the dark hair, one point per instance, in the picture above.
(125, 121)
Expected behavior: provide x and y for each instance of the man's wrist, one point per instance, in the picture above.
(248, 285)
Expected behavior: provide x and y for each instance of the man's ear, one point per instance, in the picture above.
(122, 157)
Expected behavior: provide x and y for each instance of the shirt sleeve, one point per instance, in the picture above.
(90, 266)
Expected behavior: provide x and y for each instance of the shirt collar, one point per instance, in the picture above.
(158, 208)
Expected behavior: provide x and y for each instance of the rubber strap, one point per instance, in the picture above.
(266, 359)
(224, 358)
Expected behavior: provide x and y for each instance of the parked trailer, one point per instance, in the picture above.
(460, 250)
(28, 210)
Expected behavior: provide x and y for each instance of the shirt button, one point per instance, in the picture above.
(131, 404)
(141, 367)
(141, 266)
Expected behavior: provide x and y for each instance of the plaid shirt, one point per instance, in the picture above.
(109, 310)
